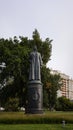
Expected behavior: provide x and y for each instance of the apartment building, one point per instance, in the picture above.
(67, 87)
(71, 89)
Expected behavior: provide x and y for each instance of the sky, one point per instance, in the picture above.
(52, 18)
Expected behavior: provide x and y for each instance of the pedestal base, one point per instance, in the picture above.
(35, 98)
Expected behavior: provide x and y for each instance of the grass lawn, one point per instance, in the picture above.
(36, 127)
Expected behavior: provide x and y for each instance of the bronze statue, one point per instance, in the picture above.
(35, 65)
(35, 91)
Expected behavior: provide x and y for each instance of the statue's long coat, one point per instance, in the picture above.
(35, 64)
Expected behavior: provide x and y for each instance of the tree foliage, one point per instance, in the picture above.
(52, 86)
(12, 104)
(64, 104)
(14, 52)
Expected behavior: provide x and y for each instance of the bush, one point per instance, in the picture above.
(64, 104)
(12, 104)
(46, 118)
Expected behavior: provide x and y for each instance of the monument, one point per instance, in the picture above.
(35, 91)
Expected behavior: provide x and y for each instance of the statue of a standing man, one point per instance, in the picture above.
(35, 65)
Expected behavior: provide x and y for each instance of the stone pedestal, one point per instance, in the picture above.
(35, 97)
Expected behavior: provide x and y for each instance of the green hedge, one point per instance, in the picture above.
(49, 118)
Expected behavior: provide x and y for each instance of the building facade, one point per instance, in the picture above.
(67, 85)
(71, 89)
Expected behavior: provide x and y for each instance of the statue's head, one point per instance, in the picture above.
(35, 48)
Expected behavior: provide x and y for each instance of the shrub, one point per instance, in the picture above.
(47, 118)
(64, 104)
(12, 104)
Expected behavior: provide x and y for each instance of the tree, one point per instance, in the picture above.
(52, 85)
(15, 54)
(16, 58)
(45, 77)
(44, 47)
